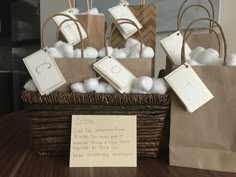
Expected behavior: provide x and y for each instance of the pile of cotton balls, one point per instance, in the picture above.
(92, 11)
(209, 57)
(143, 85)
(131, 50)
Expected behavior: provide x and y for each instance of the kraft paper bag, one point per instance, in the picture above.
(73, 69)
(138, 66)
(206, 139)
(94, 25)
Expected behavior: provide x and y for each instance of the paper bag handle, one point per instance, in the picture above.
(179, 19)
(180, 16)
(126, 21)
(72, 4)
(188, 33)
(46, 22)
(80, 33)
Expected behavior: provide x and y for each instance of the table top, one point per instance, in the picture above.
(18, 160)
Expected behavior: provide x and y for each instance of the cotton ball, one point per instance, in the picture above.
(77, 53)
(110, 89)
(208, 57)
(93, 11)
(101, 88)
(126, 51)
(217, 62)
(67, 50)
(194, 55)
(134, 90)
(159, 86)
(143, 83)
(148, 52)
(193, 62)
(55, 52)
(59, 43)
(117, 53)
(138, 46)
(91, 84)
(131, 42)
(30, 86)
(134, 54)
(102, 52)
(91, 52)
(128, 90)
(231, 60)
(78, 87)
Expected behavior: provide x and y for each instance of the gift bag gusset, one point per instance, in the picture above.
(138, 66)
(146, 15)
(205, 139)
(73, 69)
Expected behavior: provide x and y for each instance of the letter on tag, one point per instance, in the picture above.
(44, 72)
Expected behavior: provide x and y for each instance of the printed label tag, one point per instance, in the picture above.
(44, 72)
(172, 45)
(115, 73)
(69, 29)
(123, 11)
(189, 87)
(103, 141)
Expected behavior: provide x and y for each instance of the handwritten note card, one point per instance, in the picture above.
(103, 141)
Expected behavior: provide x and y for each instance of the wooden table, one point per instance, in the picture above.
(17, 160)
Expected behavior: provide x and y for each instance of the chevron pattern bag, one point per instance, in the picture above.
(146, 14)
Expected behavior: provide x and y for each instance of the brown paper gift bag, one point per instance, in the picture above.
(95, 26)
(146, 15)
(138, 66)
(206, 139)
(73, 69)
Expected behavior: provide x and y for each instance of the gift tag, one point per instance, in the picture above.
(123, 11)
(69, 28)
(189, 87)
(172, 45)
(115, 73)
(44, 72)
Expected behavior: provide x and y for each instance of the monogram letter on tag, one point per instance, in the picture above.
(172, 45)
(115, 73)
(122, 11)
(69, 28)
(189, 87)
(44, 72)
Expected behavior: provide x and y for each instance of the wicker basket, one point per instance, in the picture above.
(51, 117)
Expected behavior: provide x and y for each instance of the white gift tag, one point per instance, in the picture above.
(189, 87)
(115, 73)
(69, 28)
(44, 72)
(173, 46)
(123, 11)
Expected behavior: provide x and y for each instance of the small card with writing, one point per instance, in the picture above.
(122, 11)
(115, 73)
(44, 72)
(103, 141)
(69, 28)
(172, 45)
(189, 87)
